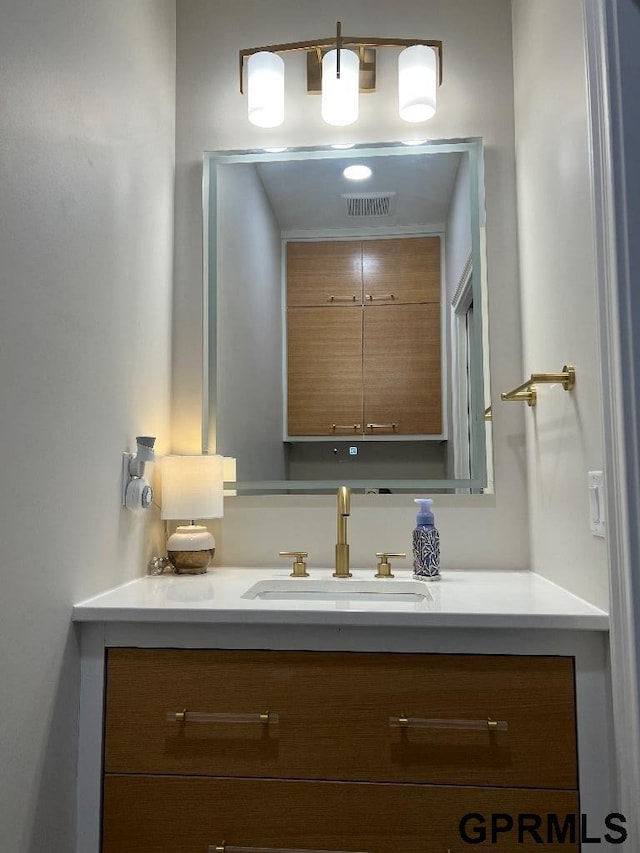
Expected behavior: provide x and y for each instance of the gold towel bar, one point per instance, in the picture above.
(527, 390)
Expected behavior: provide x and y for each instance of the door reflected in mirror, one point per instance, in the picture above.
(347, 320)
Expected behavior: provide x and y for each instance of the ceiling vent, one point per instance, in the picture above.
(370, 204)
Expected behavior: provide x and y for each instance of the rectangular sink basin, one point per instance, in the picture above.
(340, 589)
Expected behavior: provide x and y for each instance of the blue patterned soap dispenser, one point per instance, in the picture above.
(426, 544)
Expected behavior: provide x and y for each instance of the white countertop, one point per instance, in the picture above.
(460, 599)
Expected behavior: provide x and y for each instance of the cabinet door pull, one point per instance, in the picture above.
(184, 716)
(382, 426)
(228, 848)
(371, 297)
(350, 427)
(342, 298)
(460, 725)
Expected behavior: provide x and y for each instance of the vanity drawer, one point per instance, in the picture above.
(147, 814)
(336, 716)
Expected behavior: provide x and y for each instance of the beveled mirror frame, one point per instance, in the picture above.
(481, 433)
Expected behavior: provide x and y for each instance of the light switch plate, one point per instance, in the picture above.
(597, 521)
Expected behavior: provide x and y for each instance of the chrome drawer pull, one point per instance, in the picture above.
(382, 426)
(228, 848)
(372, 296)
(342, 298)
(185, 716)
(350, 427)
(459, 725)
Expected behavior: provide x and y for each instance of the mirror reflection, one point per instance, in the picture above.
(346, 317)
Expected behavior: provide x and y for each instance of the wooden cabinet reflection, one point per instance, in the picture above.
(363, 337)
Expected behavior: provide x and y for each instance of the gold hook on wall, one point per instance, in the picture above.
(527, 391)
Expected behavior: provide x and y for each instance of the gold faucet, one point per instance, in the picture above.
(342, 546)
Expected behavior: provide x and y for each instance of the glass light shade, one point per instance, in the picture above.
(265, 89)
(192, 487)
(340, 94)
(417, 83)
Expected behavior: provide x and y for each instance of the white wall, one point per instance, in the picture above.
(476, 99)
(458, 248)
(249, 326)
(86, 213)
(457, 257)
(558, 285)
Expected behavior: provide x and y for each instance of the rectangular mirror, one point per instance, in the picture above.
(346, 319)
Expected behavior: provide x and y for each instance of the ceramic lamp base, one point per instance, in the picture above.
(191, 549)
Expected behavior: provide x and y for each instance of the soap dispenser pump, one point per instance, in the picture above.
(426, 543)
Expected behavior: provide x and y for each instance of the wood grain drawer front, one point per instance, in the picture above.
(334, 712)
(325, 273)
(401, 270)
(146, 814)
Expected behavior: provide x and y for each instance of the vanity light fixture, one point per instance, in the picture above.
(265, 91)
(417, 83)
(340, 67)
(192, 489)
(340, 87)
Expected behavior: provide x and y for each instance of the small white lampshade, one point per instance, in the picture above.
(265, 89)
(191, 487)
(340, 94)
(229, 471)
(417, 83)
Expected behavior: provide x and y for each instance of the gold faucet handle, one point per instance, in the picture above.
(384, 566)
(299, 565)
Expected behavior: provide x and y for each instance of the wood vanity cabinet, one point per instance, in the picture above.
(333, 750)
(363, 337)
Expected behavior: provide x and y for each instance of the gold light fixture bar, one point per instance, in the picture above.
(367, 81)
(527, 390)
(365, 45)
